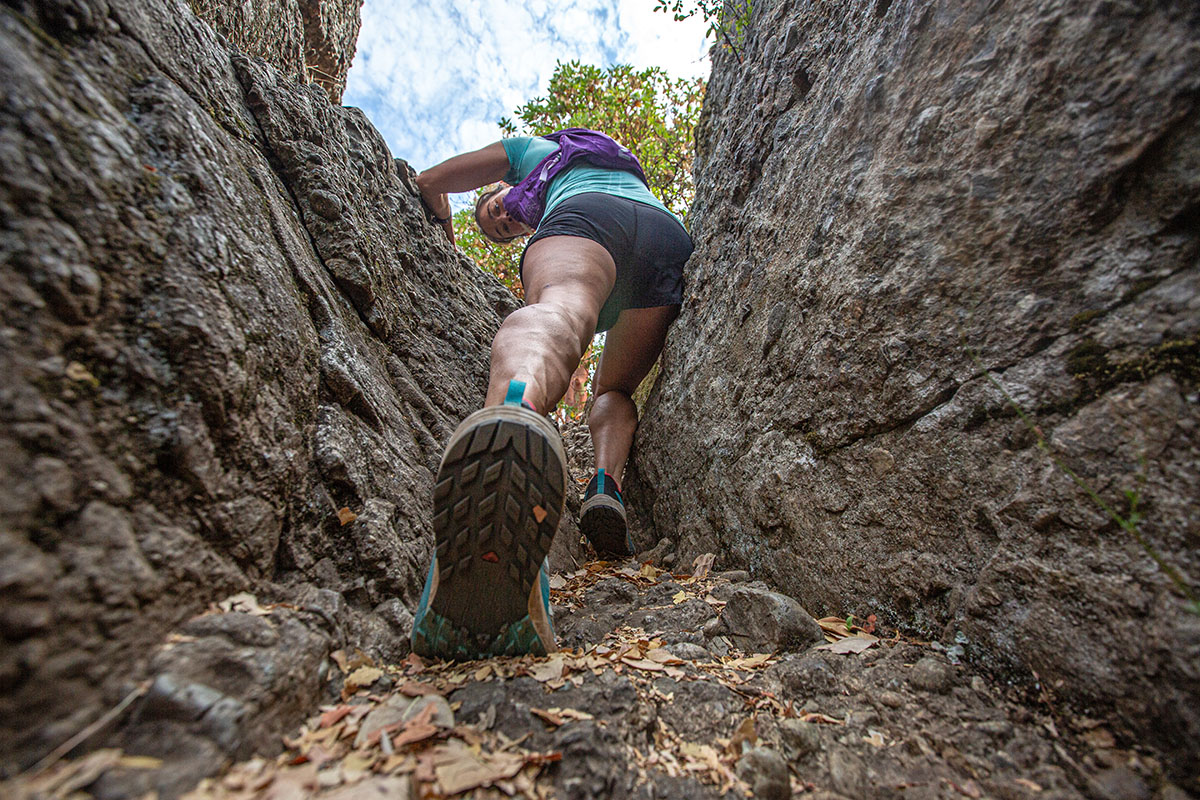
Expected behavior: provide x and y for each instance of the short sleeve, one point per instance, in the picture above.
(515, 148)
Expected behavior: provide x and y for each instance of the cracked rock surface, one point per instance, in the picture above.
(224, 318)
(312, 41)
(232, 347)
(894, 199)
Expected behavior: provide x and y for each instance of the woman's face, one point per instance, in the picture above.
(495, 221)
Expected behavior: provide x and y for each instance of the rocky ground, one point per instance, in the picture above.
(669, 685)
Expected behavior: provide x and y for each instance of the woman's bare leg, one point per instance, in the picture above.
(630, 349)
(567, 279)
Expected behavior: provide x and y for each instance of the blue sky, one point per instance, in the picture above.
(435, 78)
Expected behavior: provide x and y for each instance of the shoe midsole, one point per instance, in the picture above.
(603, 501)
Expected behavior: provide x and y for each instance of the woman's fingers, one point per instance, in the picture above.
(438, 204)
(441, 206)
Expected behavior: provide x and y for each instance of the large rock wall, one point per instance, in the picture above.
(312, 40)
(884, 190)
(224, 318)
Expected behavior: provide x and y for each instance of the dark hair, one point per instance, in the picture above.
(481, 202)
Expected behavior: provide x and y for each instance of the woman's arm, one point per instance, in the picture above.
(462, 173)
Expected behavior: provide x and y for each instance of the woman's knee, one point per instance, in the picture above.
(610, 404)
(609, 394)
(552, 323)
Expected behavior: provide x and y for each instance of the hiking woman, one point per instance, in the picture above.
(605, 255)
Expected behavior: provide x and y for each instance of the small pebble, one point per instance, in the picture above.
(890, 699)
(1118, 783)
(847, 772)
(766, 773)
(689, 651)
(931, 675)
(997, 727)
(800, 738)
(734, 575)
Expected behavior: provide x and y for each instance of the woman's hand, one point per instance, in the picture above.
(438, 206)
(461, 173)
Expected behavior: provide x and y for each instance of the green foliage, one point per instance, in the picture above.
(727, 19)
(576, 400)
(645, 110)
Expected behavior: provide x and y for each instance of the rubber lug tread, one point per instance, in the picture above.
(488, 483)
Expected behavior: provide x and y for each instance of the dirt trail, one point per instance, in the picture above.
(669, 686)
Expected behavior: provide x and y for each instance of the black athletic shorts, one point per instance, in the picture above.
(648, 245)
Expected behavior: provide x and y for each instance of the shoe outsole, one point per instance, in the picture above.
(602, 521)
(497, 502)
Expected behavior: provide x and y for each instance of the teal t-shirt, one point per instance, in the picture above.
(526, 152)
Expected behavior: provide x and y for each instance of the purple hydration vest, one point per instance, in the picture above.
(526, 202)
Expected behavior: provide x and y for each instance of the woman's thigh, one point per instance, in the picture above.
(570, 272)
(631, 347)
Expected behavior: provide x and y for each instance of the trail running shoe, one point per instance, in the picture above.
(496, 504)
(602, 518)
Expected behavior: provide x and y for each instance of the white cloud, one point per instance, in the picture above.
(436, 78)
(656, 40)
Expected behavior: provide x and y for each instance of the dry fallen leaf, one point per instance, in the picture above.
(649, 571)
(744, 736)
(551, 669)
(242, 602)
(750, 662)
(834, 626)
(363, 676)
(679, 597)
(414, 663)
(356, 765)
(969, 789)
(334, 715)
(662, 656)
(850, 644)
(1100, 738)
(547, 716)
(293, 784)
(570, 713)
(79, 373)
(381, 786)
(458, 768)
(417, 688)
(346, 516)
(874, 738)
(75, 775)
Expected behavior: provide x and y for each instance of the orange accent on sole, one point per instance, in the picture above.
(539, 513)
(491, 558)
